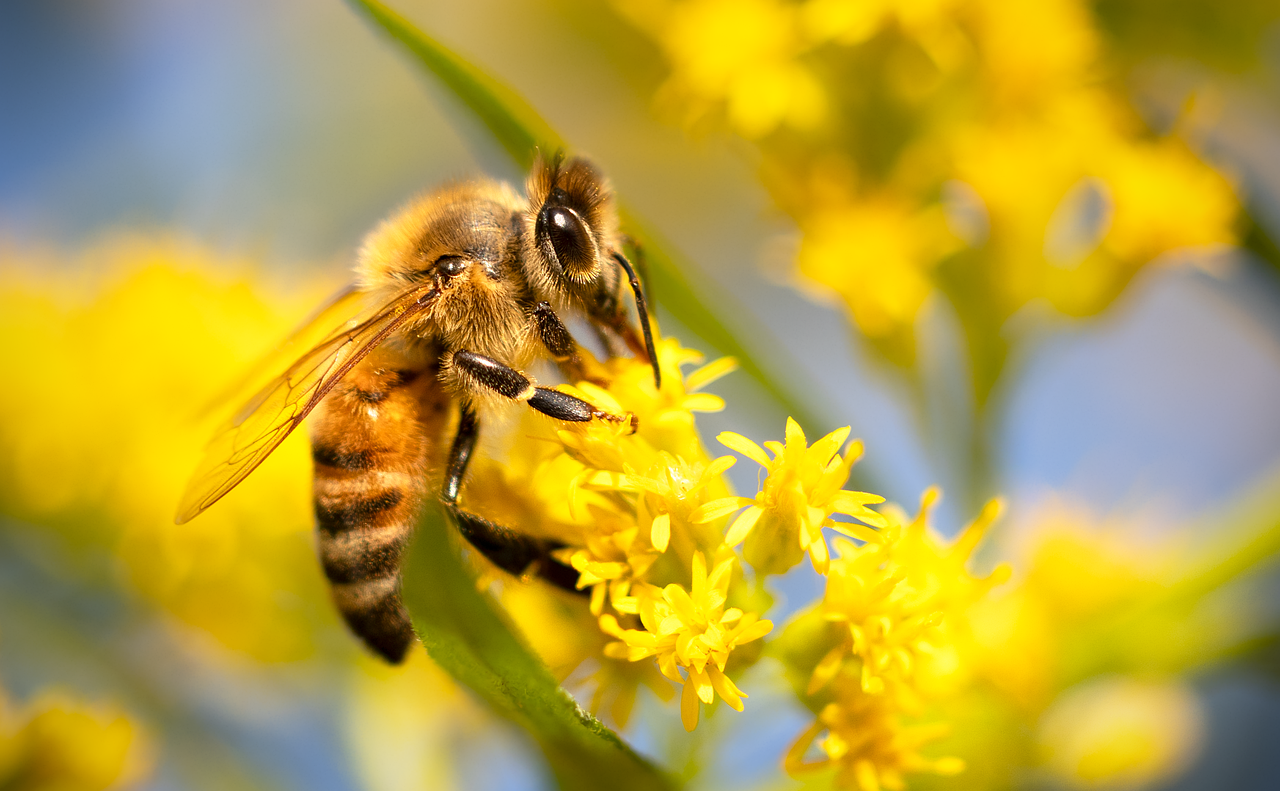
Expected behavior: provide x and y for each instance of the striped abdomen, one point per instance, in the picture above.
(370, 439)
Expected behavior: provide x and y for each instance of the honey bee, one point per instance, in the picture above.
(454, 296)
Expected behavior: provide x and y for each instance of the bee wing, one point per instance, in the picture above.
(276, 410)
(336, 312)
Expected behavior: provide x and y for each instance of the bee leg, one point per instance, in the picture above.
(510, 551)
(479, 371)
(564, 350)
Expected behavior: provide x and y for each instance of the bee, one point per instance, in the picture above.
(454, 296)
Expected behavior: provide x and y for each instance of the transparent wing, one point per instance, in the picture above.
(317, 327)
(276, 410)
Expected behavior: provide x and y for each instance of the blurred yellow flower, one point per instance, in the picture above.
(876, 255)
(735, 54)
(867, 113)
(58, 742)
(900, 596)
(868, 745)
(1121, 732)
(107, 418)
(799, 495)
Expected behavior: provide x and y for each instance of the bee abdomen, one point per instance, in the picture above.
(370, 440)
(365, 520)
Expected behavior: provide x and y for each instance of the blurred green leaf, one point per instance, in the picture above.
(674, 279)
(473, 642)
(1163, 632)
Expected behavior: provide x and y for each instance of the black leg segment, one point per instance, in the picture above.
(562, 406)
(492, 375)
(460, 453)
(555, 336)
(510, 551)
(506, 381)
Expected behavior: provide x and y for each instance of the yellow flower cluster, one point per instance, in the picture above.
(883, 642)
(107, 411)
(868, 745)
(661, 582)
(984, 148)
(803, 489)
(894, 597)
(56, 742)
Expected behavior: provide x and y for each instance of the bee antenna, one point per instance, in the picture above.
(643, 309)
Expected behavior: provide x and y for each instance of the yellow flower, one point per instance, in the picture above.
(868, 744)
(1121, 732)
(159, 333)
(621, 501)
(612, 559)
(876, 255)
(666, 416)
(60, 742)
(737, 54)
(797, 499)
(899, 597)
(690, 630)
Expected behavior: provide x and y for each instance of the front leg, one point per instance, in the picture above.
(564, 350)
(485, 374)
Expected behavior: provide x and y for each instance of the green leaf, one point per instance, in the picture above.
(675, 281)
(473, 642)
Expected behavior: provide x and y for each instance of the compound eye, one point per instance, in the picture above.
(451, 265)
(569, 237)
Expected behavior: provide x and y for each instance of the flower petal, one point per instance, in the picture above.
(702, 402)
(742, 525)
(715, 509)
(689, 706)
(822, 450)
(826, 669)
(860, 532)
(660, 532)
(702, 682)
(818, 554)
(735, 441)
(726, 689)
(714, 470)
(709, 373)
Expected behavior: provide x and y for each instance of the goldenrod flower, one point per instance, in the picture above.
(161, 328)
(1121, 732)
(56, 741)
(868, 744)
(800, 493)
(739, 55)
(897, 597)
(690, 630)
(621, 502)
(864, 112)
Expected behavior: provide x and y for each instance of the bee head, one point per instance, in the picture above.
(569, 223)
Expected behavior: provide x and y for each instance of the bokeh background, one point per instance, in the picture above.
(182, 180)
